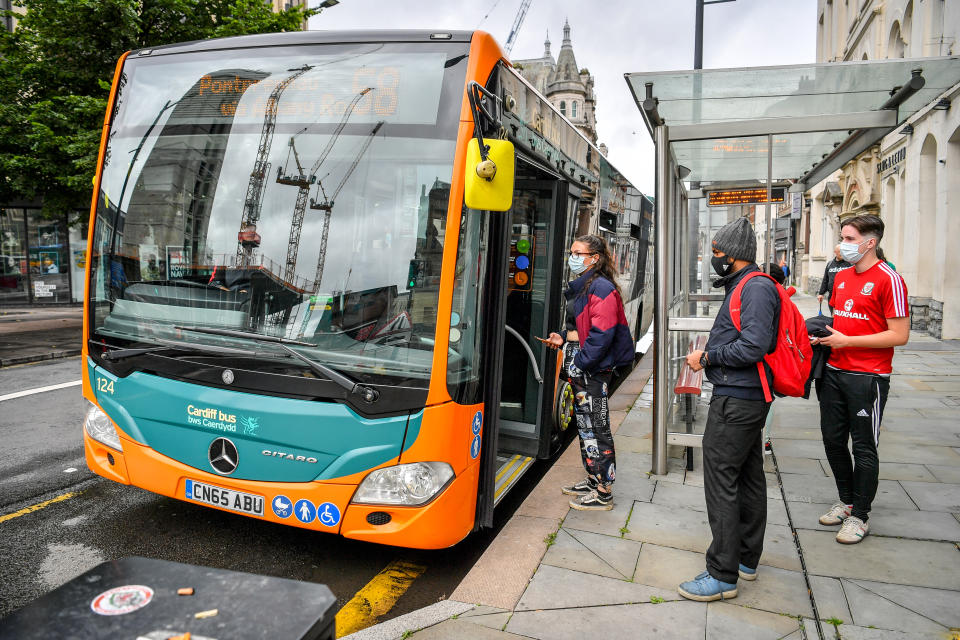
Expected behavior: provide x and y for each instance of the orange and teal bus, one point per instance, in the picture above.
(317, 266)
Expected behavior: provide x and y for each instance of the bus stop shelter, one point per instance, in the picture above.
(756, 126)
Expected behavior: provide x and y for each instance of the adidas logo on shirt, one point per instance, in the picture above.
(863, 414)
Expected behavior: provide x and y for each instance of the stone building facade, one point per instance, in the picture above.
(283, 5)
(911, 179)
(568, 87)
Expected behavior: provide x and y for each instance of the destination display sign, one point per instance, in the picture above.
(732, 197)
(300, 88)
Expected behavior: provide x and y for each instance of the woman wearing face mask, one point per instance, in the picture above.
(601, 343)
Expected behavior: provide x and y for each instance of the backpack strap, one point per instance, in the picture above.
(735, 304)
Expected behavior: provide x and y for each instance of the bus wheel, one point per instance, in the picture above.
(563, 414)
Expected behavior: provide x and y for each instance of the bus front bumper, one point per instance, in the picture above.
(441, 523)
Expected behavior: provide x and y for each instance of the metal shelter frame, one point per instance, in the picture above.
(675, 302)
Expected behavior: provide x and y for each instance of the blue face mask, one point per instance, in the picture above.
(575, 263)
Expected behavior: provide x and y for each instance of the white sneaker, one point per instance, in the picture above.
(852, 531)
(837, 514)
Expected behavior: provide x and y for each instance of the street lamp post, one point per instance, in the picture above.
(698, 64)
(698, 44)
(326, 4)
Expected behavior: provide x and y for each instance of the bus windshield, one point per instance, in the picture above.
(297, 192)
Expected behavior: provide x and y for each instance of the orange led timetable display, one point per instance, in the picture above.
(316, 96)
(730, 197)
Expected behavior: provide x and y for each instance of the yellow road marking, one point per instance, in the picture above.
(39, 505)
(377, 597)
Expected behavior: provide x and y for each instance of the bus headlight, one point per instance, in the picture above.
(404, 484)
(100, 427)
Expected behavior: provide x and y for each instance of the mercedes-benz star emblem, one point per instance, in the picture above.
(227, 376)
(223, 456)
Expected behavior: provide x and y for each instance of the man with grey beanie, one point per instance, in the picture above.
(733, 481)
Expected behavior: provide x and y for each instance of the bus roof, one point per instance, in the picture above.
(309, 37)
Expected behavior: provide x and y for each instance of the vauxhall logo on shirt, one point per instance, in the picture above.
(848, 313)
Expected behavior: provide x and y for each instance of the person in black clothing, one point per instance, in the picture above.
(733, 480)
(835, 266)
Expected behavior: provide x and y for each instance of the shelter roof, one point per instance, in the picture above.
(819, 115)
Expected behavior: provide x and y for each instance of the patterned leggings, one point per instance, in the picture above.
(593, 420)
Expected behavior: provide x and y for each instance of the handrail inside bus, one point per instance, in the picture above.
(526, 347)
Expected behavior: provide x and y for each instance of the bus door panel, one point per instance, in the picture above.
(531, 312)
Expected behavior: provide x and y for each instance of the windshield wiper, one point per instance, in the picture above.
(366, 393)
(120, 353)
(233, 333)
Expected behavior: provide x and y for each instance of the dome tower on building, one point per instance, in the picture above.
(564, 84)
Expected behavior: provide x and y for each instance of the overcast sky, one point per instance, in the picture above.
(611, 37)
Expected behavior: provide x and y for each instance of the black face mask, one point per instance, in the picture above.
(720, 265)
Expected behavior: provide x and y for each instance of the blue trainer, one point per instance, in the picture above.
(747, 573)
(705, 588)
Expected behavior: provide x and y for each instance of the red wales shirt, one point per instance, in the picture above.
(863, 302)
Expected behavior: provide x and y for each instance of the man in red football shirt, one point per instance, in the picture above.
(871, 317)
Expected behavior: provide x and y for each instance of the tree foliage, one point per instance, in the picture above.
(55, 73)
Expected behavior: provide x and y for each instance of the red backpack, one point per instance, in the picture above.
(790, 360)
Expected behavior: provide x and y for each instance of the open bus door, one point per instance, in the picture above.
(526, 286)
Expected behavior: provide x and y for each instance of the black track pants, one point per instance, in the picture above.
(851, 408)
(734, 485)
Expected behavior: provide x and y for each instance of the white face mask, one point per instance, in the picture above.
(851, 251)
(576, 264)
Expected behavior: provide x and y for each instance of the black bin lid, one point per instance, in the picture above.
(248, 605)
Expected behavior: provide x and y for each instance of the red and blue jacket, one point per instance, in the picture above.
(605, 340)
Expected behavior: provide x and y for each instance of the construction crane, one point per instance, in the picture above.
(248, 239)
(327, 205)
(517, 22)
(303, 180)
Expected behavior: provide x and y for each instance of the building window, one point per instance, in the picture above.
(563, 107)
(573, 109)
(826, 239)
(14, 282)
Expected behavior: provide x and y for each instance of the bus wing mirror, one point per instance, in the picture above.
(488, 182)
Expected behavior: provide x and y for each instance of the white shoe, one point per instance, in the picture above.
(837, 514)
(853, 530)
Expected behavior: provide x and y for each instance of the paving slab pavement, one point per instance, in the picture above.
(31, 334)
(902, 581)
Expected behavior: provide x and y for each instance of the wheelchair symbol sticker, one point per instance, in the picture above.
(475, 447)
(477, 422)
(305, 511)
(328, 514)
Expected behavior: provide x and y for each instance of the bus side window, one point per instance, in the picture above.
(463, 376)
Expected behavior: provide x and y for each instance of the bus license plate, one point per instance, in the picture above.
(226, 498)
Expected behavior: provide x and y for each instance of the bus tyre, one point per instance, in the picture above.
(563, 414)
